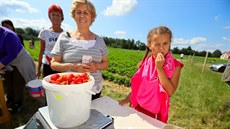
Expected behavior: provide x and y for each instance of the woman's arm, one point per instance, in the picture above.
(93, 66)
(57, 65)
(42, 49)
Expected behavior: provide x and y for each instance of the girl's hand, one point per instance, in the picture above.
(160, 60)
(123, 101)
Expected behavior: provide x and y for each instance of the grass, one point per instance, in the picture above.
(31, 105)
(202, 100)
(33, 52)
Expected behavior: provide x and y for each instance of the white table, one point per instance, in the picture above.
(124, 117)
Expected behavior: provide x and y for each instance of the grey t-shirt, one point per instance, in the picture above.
(72, 51)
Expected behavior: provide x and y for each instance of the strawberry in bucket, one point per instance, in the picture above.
(69, 79)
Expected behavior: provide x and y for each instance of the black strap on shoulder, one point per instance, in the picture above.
(68, 34)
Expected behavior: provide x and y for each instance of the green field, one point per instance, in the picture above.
(202, 100)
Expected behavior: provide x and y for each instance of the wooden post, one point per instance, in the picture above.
(5, 114)
(193, 57)
(205, 60)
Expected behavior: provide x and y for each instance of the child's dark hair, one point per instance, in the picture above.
(8, 22)
(155, 31)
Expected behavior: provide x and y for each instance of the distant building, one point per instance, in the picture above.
(225, 55)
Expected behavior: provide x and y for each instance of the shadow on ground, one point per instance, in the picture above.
(31, 106)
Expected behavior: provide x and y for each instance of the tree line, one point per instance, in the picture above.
(138, 45)
(29, 33)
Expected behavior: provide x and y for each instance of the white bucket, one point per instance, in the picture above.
(35, 88)
(68, 105)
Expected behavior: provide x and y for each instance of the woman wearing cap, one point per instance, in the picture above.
(48, 38)
(71, 47)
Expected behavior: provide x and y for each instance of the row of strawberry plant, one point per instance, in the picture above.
(121, 80)
(122, 65)
(122, 71)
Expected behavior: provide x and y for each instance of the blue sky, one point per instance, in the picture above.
(201, 24)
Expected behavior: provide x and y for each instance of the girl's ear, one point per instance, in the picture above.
(148, 45)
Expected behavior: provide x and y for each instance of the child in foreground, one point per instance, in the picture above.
(157, 77)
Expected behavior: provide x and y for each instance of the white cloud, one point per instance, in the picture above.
(217, 18)
(226, 27)
(208, 47)
(198, 45)
(197, 40)
(121, 33)
(182, 41)
(6, 6)
(226, 39)
(34, 23)
(120, 7)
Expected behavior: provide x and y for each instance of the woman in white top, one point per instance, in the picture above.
(48, 38)
(71, 47)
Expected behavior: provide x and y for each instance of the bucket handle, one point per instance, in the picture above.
(85, 90)
(90, 92)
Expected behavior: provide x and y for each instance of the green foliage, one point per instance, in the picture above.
(125, 44)
(33, 52)
(122, 65)
(28, 33)
(188, 51)
(216, 53)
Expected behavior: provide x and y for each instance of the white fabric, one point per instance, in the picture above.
(50, 39)
(83, 43)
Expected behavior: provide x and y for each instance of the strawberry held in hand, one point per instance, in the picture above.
(69, 79)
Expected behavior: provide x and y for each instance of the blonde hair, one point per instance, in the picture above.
(155, 31)
(89, 4)
(158, 30)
